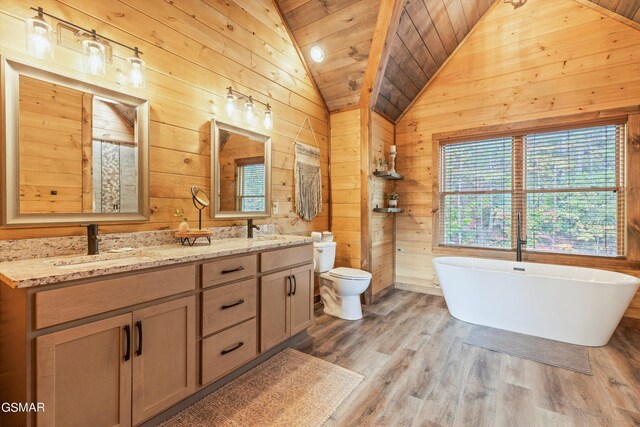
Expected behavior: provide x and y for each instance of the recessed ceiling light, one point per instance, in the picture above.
(317, 54)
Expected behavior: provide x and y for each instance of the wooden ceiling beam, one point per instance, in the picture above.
(383, 34)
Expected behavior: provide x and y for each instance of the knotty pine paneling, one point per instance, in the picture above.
(549, 58)
(194, 49)
(345, 187)
(381, 225)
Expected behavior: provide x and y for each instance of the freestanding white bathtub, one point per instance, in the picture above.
(571, 304)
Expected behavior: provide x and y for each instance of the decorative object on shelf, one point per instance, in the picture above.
(96, 47)
(392, 163)
(382, 165)
(393, 200)
(308, 177)
(184, 226)
(516, 3)
(249, 108)
(200, 201)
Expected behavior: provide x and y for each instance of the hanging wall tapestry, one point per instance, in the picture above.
(308, 178)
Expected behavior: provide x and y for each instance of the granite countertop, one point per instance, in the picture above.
(46, 271)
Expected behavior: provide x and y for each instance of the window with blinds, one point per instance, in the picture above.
(251, 197)
(568, 185)
(476, 190)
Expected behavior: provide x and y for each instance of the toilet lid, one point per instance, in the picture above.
(349, 273)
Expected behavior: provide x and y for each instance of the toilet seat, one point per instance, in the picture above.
(349, 273)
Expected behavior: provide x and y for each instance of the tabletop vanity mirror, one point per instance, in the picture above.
(73, 152)
(242, 172)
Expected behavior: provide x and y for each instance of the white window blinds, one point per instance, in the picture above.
(476, 183)
(568, 185)
(572, 183)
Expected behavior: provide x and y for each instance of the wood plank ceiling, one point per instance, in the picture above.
(429, 31)
(343, 29)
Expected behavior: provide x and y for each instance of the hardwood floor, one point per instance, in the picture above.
(419, 373)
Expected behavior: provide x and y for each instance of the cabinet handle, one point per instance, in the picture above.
(127, 332)
(295, 284)
(290, 286)
(233, 270)
(139, 328)
(224, 307)
(234, 348)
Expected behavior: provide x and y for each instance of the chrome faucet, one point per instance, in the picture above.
(519, 241)
(250, 227)
(92, 238)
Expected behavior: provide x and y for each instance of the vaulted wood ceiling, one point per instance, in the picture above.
(428, 32)
(343, 29)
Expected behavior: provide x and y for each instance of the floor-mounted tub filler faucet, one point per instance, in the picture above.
(519, 241)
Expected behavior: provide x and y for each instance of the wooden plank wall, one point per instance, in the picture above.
(345, 187)
(194, 49)
(51, 156)
(381, 225)
(548, 58)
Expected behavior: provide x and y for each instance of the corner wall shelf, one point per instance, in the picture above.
(388, 210)
(388, 175)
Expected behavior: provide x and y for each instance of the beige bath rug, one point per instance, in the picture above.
(550, 352)
(290, 389)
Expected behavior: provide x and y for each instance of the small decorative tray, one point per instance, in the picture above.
(190, 237)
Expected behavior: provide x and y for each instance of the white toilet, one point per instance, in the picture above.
(340, 288)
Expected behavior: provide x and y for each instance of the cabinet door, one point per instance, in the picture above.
(274, 309)
(302, 299)
(82, 375)
(164, 362)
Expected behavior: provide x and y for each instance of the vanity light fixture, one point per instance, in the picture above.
(249, 108)
(39, 36)
(516, 3)
(317, 54)
(94, 55)
(136, 70)
(231, 103)
(267, 122)
(40, 44)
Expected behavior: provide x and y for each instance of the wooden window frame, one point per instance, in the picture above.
(629, 115)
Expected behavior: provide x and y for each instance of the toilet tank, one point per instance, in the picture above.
(324, 255)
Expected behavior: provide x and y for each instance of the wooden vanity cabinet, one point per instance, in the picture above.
(286, 304)
(119, 371)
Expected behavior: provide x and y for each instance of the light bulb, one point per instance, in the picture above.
(137, 70)
(248, 110)
(39, 37)
(268, 119)
(317, 54)
(231, 104)
(94, 57)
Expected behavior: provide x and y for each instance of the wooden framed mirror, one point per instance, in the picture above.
(241, 165)
(73, 152)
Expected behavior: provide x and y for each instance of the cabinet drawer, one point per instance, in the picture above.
(283, 258)
(223, 352)
(227, 305)
(226, 270)
(75, 302)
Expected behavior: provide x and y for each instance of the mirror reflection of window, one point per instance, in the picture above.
(242, 173)
(250, 186)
